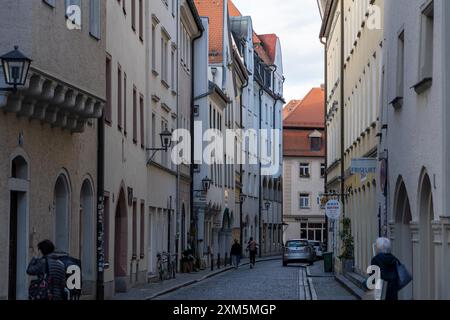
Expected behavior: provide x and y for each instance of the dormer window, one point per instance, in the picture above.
(315, 141)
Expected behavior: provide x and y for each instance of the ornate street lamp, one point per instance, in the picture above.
(166, 142)
(166, 139)
(267, 204)
(15, 68)
(206, 184)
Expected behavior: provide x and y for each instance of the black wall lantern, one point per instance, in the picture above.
(166, 139)
(206, 184)
(166, 143)
(15, 68)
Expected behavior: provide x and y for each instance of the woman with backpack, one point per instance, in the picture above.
(51, 274)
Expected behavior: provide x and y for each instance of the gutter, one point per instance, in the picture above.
(261, 92)
(193, 99)
(100, 292)
(326, 130)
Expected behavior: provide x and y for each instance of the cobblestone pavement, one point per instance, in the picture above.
(267, 281)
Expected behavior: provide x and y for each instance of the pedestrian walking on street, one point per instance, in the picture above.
(392, 271)
(252, 247)
(236, 253)
(51, 274)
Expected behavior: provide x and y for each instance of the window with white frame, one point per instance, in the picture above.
(305, 170)
(304, 201)
(323, 170)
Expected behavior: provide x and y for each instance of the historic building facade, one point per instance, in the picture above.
(304, 168)
(48, 130)
(414, 142)
(354, 47)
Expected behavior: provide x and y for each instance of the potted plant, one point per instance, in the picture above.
(347, 256)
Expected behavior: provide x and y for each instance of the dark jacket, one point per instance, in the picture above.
(55, 270)
(388, 266)
(236, 250)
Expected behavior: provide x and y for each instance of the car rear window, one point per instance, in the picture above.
(296, 244)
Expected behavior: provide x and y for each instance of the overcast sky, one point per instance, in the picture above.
(297, 24)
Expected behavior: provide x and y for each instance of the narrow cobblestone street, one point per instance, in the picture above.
(267, 281)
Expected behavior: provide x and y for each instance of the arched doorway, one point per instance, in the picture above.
(18, 229)
(62, 209)
(225, 234)
(426, 218)
(121, 243)
(403, 247)
(87, 236)
(183, 228)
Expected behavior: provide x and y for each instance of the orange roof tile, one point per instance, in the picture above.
(309, 113)
(270, 45)
(290, 107)
(301, 119)
(232, 10)
(265, 45)
(296, 143)
(213, 9)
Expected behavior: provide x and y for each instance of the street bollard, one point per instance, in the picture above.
(226, 259)
(218, 261)
(212, 262)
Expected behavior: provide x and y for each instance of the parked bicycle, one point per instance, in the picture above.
(166, 266)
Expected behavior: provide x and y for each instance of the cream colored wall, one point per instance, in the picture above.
(125, 162)
(362, 96)
(50, 152)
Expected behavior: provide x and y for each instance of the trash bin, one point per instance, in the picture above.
(328, 262)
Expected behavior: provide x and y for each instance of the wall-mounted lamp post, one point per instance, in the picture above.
(166, 142)
(15, 69)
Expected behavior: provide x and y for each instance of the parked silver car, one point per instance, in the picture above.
(318, 248)
(298, 251)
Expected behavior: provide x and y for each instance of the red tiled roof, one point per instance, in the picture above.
(265, 45)
(232, 10)
(290, 107)
(304, 118)
(213, 9)
(296, 143)
(309, 113)
(270, 45)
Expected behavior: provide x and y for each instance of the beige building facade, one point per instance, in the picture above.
(48, 130)
(354, 47)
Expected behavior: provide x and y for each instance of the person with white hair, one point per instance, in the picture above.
(387, 263)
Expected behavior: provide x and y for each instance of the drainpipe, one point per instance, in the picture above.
(342, 110)
(100, 292)
(261, 92)
(241, 238)
(326, 129)
(191, 167)
(177, 205)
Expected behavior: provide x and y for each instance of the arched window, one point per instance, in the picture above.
(19, 168)
(61, 204)
(87, 232)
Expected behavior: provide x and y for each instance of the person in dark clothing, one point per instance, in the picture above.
(387, 263)
(49, 265)
(236, 253)
(252, 247)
